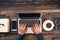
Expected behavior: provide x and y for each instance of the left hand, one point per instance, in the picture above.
(22, 28)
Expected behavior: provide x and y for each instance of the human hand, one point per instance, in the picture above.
(36, 28)
(22, 28)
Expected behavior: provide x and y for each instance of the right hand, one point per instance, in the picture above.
(36, 28)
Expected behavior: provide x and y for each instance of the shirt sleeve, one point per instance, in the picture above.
(40, 36)
(19, 37)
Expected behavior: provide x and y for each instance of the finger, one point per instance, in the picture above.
(36, 25)
(33, 24)
(21, 25)
(39, 25)
(25, 25)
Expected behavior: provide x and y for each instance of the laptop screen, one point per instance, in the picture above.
(29, 15)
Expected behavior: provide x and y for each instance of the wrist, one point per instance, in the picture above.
(38, 33)
(21, 34)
